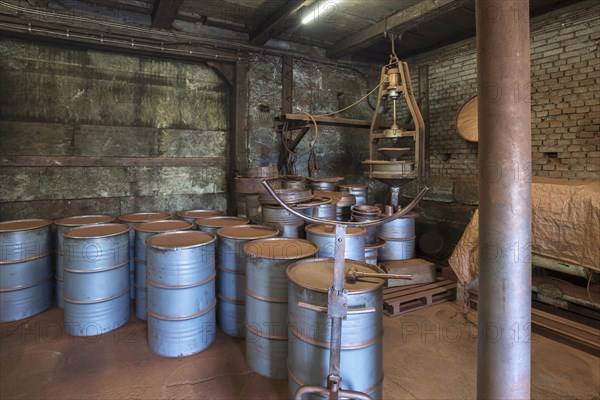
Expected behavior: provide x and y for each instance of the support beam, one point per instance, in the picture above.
(397, 23)
(240, 122)
(164, 13)
(276, 20)
(504, 93)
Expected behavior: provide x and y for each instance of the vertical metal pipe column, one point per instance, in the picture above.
(503, 65)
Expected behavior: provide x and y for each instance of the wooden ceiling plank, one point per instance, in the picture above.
(398, 22)
(275, 20)
(164, 13)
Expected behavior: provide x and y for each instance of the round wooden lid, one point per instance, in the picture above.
(180, 239)
(199, 213)
(79, 220)
(144, 216)
(23, 224)
(163, 226)
(466, 121)
(97, 231)
(317, 274)
(280, 249)
(247, 232)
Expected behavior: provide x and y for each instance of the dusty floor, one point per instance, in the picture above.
(429, 354)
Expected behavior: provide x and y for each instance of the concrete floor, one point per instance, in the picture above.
(429, 354)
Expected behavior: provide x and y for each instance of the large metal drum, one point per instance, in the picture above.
(193, 215)
(400, 239)
(96, 278)
(213, 224)
(181, 292)
(62, 225)
(400, 228)
(324, 237)
(359, 191)
(310, 328)
(131, 220)
(25, 268)
(231, 270)
(289, 225)
(143, 232)
(267, 301)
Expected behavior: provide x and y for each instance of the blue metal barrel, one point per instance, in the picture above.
(267, 301)
(142, 232)
(310, 328)
(132, 220)
(181, 292)
(25, 268)
(61, 226)
(400, 239)
(324, 237)
(193, 215)
(289, 225)
(213, 224)
(96, 278)
(231, 270)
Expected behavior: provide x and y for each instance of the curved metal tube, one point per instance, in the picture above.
(349, 394)
(313, 220)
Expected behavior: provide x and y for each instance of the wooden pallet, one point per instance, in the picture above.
(403, 299)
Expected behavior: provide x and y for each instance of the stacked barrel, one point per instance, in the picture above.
(399, 236)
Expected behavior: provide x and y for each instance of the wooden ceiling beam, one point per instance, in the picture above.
(276, 20)
(396, 23)
(164, 13)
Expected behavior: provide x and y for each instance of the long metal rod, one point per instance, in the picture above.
(504, 115)
(314, 220)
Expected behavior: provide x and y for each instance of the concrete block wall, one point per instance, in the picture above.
(85, 131)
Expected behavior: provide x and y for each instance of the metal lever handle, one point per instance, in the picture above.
(353, 275)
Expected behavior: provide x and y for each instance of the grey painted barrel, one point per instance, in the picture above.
(401, 249)
(142, 232)
(323, 211)
(131, 220)
(372, 251)
(213, 224)
(181, 292)
(193, 215)
(324, 237)
(289, 225)
(267, 301)
(323, 186)
(400, 239)
(254, 208)
(400, 228)
(25, 268)
(231, 271)
(62, 225)
(358, 190)
(366, 213)
(96, 278)
(310, 328)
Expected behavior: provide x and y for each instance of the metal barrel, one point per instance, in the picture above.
(324, 237)
(142, 232)
(365, 213)
(193, 215)
(61, 226)
(289, 225)
(240, 201)
(96, 278)
(267, 301)
(25, 268)
(213, 224)
(231, 270)
(372, 251)
(323, 186)
(253, 208)
(181, 292)
(359, 191)
(131, 220)
(310, 328)
(400, 239)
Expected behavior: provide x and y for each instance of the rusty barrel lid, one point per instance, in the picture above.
(79, 220)
(144, 216)
(247, 232)
(180, 240)
(221, 221)
(280, 248)
(163, 225)
(329, 230)
(23, 224)
(317, 274)
(196, 214)
(97, 231)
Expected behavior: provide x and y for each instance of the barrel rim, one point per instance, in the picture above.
(220, 217)
(182, 213)
(380, 243)
(159, 235)
(127, 217)
(325, 290)
(143, 226)
(59, 222)
(246, 247)
(406, 239)
(69, 233)
(220, 234)
(45, 223)
(312, 229)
